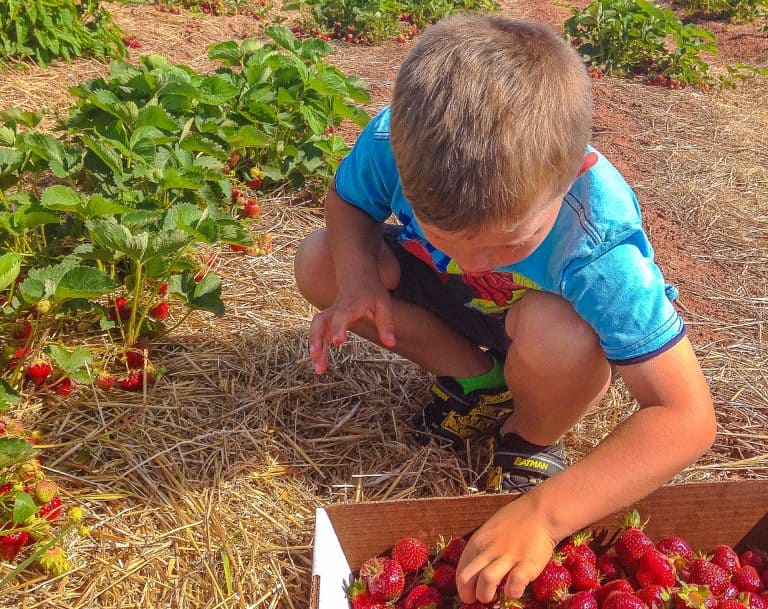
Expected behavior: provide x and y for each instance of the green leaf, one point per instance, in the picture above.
(156, 116)
(8, 396)
(203, 296)
(10, 267)
(199, 143)
(249, 136)
(83, 282)
(24, 506)
(69, 361)
(15, 451)
(60, 198)
(99, 206)
(217, 90)
(175, 179)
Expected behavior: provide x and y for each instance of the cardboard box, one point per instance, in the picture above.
(733, 513)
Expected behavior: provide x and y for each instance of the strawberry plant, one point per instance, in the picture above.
(43, 31)
(639, 38)
(739, 11)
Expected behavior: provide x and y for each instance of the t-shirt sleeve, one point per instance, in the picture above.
(367, 176)
(623, 296)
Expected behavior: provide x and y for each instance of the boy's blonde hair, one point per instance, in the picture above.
(489, 115)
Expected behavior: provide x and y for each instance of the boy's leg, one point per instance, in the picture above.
(422, 337)
(556, 371)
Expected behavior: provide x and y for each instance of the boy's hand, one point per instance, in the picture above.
(514, 541)
(361, 300)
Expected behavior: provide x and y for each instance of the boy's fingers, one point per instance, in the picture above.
(318, 342)
(518, 578)
(339, 326)
(466, 577)
(488, 580)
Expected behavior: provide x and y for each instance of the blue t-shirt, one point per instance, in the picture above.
(596, 256)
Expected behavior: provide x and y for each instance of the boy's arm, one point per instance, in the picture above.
(675, 425)
(355, 241)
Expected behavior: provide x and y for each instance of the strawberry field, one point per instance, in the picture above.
(164, 440)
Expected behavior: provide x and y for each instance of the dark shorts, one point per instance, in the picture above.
(445, 297)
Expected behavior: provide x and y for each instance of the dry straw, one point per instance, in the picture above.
(201, 492)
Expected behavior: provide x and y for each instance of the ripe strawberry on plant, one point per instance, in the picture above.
(616, 585)
(159, 311)
(452, 551)
(656, 568)
(23, 331)
(411, 553)
(578, 600)
(423, 597)
(623, 600)
(105, 380)
(706, 573)
(444, 578)
(746, 579)
(134, 355)
(133, 382)
(63, 387)
(576, 549)
(11, 545)
(383, 577)
(119, 309)
(251, 208)
(553, 582)
(632, 543)
(726, 557)
(38, 371)
(52, 509)
(163, 291)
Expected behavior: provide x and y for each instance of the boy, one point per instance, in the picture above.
(520, 277)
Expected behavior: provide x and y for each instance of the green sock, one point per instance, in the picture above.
(493, 379)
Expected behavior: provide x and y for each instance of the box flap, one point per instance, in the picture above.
(329, 566)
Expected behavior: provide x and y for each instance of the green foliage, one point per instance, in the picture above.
(372, 21)
(740, 11)
(45, 30)
(637, 37)
(99, 222)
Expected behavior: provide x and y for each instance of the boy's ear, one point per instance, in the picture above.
(589, 162)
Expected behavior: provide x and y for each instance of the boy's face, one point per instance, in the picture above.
(490, 249)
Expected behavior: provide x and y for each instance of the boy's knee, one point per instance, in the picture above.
(542, 325)
(313, 266)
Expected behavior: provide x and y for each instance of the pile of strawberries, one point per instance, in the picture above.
(635, 573)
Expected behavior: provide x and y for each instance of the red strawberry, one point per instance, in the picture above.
(746, 579)
(632, 543)
(609, 566)
(726, 557)
(753, 600)
(694, 597)
(730, 592)
(656, 568)
(384, 578)
(584, 575)
(134, 355)
(623, 600)
(10, 545)
(577, 549)
(655, 596)
(617, 585)
(754, 558)
(360, 599)
(704, 572)
(159, 311)
(444, 578)
(133, 382)
(451, 553)
(63, 387)
(579, 600)
(675, 547)
(52, 509)
(105, 380)
(24, 331)
(254, 183)
(423, 597)
(251, 208)
(119, 309)
(411, 553)
(552, 583)
(237, 248)
(730, 603)
(163, 291)
(38, 371)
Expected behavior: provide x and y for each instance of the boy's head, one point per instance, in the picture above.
(490, 120)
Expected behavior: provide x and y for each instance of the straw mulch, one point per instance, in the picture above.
(202, 492)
